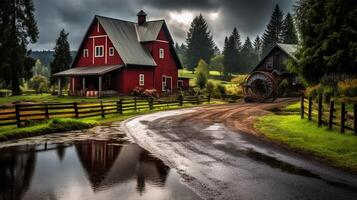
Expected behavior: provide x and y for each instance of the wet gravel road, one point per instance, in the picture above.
(219, 163)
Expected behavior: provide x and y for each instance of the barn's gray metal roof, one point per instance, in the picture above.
(87, 71)
(125, 38)
(149, 30)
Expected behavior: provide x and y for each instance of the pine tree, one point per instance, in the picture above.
(258, 48)
(274, 30)
(327, 39)
(289, 31)
(231, 53)
(199, 42)
(18, 28)
(248, 57)
(236, 37)
(62, 56)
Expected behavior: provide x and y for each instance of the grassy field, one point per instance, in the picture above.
(337, 149)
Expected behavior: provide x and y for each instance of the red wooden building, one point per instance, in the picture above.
(116, 56)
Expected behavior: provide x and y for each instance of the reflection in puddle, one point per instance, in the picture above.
(86, 170)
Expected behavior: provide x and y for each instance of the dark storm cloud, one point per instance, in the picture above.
(249, 16)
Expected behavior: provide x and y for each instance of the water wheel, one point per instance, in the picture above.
(260, 87)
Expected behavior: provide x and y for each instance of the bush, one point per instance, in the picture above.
(239, 79)
(234, 90)
(201, 79)
(284, 88)
(39, 83)
(348, 87)
(313, 91)
(210, 87)
(141, 92)
(221, 90)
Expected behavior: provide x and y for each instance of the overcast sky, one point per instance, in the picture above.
(249, 16)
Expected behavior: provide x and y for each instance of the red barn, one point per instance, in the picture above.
(116, 56)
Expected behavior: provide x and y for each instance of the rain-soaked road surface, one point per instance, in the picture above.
(218, 163)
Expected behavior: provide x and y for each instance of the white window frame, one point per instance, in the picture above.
(170, 77)
(163, 82)
(85, 53)
(111, 51)
(141, 79)
(179, 81)
(95, 51)
(161, 53)
(269, 66)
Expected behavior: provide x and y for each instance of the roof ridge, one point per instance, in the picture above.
(128, 20)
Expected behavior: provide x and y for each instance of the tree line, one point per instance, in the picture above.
(236, 57)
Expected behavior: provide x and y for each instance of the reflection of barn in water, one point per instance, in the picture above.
(107, 164)
(262, 83)
(16, 171)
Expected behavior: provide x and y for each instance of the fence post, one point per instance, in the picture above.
(75, 107)
(197, 99)
(330, 117)
(102, 109)
(120, 106)
(181, 100)
(302, 107)
(47, 116)
(343, 112)
(319, 112)
(355, 118)
(209, 98)
(17, 111)
(135, 104)
(151, 103)
(309, 109)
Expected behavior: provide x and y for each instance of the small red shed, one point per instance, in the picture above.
(116, 56)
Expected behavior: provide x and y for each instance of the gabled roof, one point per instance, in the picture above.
(288, 49)
(124, 37)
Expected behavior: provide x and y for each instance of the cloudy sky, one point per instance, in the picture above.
(249, 16)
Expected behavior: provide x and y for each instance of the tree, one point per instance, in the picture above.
(231, 53)
(40, 69)
(258, 48)
(327, 39)
(217, 63)
(274, 31)
(62, 56)
(248, 57)
(200, 43)
(18, 28)
(39, 83)
(289, 31)
(202, 74)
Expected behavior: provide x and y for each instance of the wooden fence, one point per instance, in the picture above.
(20, 114)
(342, 116)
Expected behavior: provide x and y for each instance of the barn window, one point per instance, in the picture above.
(85, 53)
(269, 66)
(141, 79)
(161, 53)
(111, 51)
(99, 51)
(180, 84)
(163, 85)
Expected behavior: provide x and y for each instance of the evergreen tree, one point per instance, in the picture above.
(217, 63)
(236, 37)
(248, 57)
(18, 28)
(199, 42)
(225, 57)
(258, 48)
(231, 53)
(274, 31)
(289, 31)
(62, 56)
(328, 39)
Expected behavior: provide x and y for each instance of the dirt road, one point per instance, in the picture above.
(210, 148)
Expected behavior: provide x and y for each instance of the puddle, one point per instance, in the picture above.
(89, 169)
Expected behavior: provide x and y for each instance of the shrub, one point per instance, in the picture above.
(201, 79)
(234, 89)
(238, 79)
(209, 87)
(284, 87)
(313, 91)
(348, 87)
(141, 92)
(221, 90)
(39, 83)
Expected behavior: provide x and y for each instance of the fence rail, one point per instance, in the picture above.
(331, 115)
(20, 114)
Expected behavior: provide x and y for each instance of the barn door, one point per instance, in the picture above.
(168, 83)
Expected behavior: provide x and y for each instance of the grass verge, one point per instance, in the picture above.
(337, 149)
(67, 124)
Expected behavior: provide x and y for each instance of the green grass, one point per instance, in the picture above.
(337, 149)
